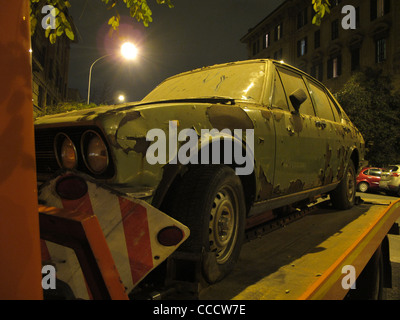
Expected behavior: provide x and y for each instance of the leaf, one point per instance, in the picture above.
(52, 38)
(111, 21)
(47, 32)
(59, 31)
(69, 34)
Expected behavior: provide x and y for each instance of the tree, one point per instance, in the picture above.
(369, 100)
(56, 17)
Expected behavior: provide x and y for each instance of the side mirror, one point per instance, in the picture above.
(297, 98)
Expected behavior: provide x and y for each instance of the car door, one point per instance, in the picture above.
(325, 122)
(374, 176)
(299, 148)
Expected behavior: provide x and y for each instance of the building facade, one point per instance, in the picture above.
(50, 64)
(331, 52)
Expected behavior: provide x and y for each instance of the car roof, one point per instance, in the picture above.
(276, 62)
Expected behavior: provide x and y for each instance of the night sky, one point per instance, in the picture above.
(193, 34)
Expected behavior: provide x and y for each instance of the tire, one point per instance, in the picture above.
(343, 197)
(363, 187)
(211, 203)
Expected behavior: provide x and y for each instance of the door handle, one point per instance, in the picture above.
(320, 124)
(290, 130)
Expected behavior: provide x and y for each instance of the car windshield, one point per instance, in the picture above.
(237, 81)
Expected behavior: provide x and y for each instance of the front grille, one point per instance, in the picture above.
(46, 161)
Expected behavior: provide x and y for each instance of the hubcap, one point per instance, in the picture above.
(363, 187)
(223, 224)
(350, 185)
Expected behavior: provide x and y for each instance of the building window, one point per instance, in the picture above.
(335, 29)
(302, 47)
(317, 39)
(335, 67)
(256, 47)
(302, 18)
(266, 41)
(379, 8)
(380, 50)
(278, 32)
(355, 59)
(317, 71)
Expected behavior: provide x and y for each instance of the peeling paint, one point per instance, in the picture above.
(266, 186)
(229, 117)
(295, 186)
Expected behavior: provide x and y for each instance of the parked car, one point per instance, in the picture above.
(213, 147)
(368, 179)
(390, 181)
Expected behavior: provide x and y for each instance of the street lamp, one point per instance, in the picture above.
(121, 98)
(128, 51)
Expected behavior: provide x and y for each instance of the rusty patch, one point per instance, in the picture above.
(141, 145)
(296, 186)
(129, 117)
(326, 174)
(266, 186)
(278, 115)
(225, 117)
(266, 114)
(297, 123)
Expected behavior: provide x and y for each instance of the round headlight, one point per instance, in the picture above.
(65, 151)
(94, 152)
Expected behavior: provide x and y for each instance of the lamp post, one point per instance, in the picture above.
(128, 51)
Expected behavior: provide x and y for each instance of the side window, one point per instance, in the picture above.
(375, 172)
(291, 82)
(279, 97)
(322, 105)
(366, 172)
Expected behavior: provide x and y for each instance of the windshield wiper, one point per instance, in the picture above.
(211, 99)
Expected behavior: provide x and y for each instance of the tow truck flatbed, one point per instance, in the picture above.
(304, 259)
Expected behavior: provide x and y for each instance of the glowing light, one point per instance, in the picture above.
(121, 98)
(129, 51)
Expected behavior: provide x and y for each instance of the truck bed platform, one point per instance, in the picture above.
(304, 259)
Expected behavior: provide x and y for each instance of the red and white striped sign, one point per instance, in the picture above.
(130, 227)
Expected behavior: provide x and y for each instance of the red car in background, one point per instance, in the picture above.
(368, 179)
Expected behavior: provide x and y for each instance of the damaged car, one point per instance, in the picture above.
(212, 148)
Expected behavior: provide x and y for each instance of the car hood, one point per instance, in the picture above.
(90, 114)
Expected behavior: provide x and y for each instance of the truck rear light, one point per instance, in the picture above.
(170, 236)
(71, 187)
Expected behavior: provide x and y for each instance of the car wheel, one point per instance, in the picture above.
(211, 203)
(343, 197)
(363, 187)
